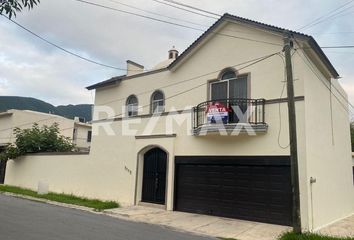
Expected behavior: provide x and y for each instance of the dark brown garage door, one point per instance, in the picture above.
(250, 188)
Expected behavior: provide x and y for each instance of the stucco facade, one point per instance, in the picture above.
(25, 119)
(119, 143)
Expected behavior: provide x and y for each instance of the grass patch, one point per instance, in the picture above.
(310, 236)
(62, 198)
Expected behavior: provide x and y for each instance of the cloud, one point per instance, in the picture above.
(30, 67)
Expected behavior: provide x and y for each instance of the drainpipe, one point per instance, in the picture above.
(312, 181)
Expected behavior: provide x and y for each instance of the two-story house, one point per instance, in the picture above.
(207, 132)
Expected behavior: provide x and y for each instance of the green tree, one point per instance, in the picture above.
(34, 140)
(10, 7)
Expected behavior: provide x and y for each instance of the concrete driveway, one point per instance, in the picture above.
(342, 228)
(201, 224)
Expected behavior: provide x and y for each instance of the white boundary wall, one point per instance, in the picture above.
(64, 173)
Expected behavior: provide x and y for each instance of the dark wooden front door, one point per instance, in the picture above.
(252, 188)
(154, 176)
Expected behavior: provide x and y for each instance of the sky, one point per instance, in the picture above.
(32, 68)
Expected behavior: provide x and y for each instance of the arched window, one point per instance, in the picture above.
(228, 75)
(132, 106)
(230, 85)
(157, 102)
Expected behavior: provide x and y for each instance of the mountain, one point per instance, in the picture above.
(27, 103)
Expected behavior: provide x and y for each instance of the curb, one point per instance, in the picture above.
(59, 204)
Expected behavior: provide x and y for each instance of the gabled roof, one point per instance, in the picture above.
(304, 37)
(311, 41)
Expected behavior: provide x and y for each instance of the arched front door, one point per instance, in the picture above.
(154, 176)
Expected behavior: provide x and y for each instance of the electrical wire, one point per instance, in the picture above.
(192, 7)
(184, 9)
(155, 13)
(110, 66)
(325, 16)
(338, 91)
(173, 23)
(169, 17)
(28, 123)
(316, 74)
(348, 46)
(63, 49)
(190, 79)
(188, 90)
(337, 15)
(279, 105)
(259, 29)
(251, 62)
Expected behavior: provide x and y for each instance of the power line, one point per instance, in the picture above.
(190, 79)
(259, 29)
(279, 105)
(135, 14)
(314, 72)
(192, 7)
(348, 46)
(173, 23)
(190, 89)
(333, 33)
(184, 9)
(63, 49)
(325, 16)
(169, 17)
(28, 123)
(156, 14)
(251, 62)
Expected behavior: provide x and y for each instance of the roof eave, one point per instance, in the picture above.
(109, 82)
(312, 42)
(314, 45)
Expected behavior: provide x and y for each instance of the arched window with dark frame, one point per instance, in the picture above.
(231, 90)
(229, 74)
(157, 102)
(229, 86)
(132, 106)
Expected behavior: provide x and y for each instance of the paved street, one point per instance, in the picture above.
(29, 220)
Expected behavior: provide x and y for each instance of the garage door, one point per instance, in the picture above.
(250, 188)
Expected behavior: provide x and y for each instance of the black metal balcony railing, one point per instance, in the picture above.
(229, 111)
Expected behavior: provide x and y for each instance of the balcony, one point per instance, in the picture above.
(232, 116)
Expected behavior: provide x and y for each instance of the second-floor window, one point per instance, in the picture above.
(132, 106)
(229, 86)
(157, 102)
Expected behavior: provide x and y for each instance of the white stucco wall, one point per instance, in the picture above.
(25, 119)
(80, 140)
(328, 152)
(75, 174)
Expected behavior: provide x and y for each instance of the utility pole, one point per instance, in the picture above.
(288, 45)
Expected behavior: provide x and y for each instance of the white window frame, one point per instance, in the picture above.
(158, 108)
(132, 108)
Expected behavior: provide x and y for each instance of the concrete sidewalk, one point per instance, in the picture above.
(201, 224)
(342, 228)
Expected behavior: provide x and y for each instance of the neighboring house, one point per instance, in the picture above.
(78, 132)
(166, 137)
